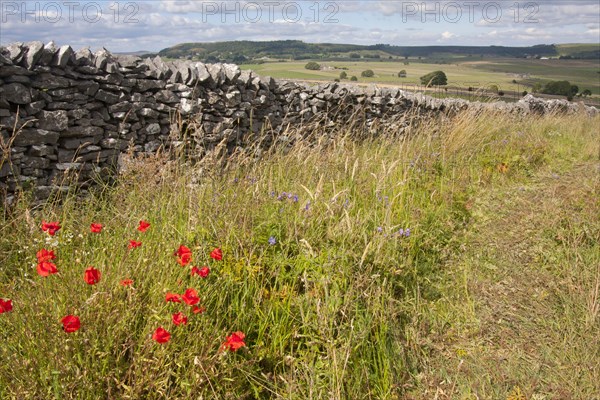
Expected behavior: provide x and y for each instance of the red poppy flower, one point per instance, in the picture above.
(198, 310)
(5, 306)
(179, 319)
(71, 323)
(50, 227)
(182, 250)
(143, 226)
(95, 228)
(91, 276)
(216, 254)
(203, 272)
(184, 255)
(45, 255)
(46, 268)
(190, 297)
(126, 282)
(234, 342)
(161, 335)
(133, 244)
(185, 259)
(173, 297)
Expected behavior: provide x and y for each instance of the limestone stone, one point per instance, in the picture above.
(16, 93)
(53, 120)
(16, 51)
(33, 54)
(106, 97)
(63, 56)
(41, 150)
(33, 136)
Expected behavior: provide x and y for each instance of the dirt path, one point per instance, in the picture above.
(524, 319)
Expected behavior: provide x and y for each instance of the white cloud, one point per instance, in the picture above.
(448, 35)
(165, 23)
(594, 32)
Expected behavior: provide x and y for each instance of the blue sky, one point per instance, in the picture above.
(124, 25)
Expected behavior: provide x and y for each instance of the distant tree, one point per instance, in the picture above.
(494, 88)
(336, 80)
(500, 93)
(402, 74)
(561, 88)
(574, 89)
(537, 87)
(406, 63)
(524, 93)
(435, 78)
(354, 55)
(312, 66)
(514, 81)
(239, 59)
(343, 75)
(353, 78)
(211, 59)
(367, 73)
(586, 92)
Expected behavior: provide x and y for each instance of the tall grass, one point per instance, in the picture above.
(331, 310)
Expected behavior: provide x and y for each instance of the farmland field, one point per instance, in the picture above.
(477, 74)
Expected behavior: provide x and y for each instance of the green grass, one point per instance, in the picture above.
(341, 306)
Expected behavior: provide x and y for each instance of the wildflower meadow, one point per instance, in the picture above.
(459, 260)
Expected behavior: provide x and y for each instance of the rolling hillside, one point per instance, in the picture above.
(241, 51)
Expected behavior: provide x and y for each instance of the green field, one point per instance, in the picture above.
(583, 73)
(476, 74)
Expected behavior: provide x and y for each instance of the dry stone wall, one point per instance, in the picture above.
(63, 110)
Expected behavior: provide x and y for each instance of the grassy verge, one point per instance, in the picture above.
(341, 265)
(519, 318)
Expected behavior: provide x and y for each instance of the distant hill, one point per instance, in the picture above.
(139, 53)
(250, 51)
(579, 51)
